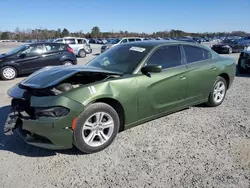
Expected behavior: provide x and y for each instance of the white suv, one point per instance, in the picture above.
(118, 41)
(80, 46)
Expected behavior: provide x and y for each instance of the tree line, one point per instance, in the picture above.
(41, 34)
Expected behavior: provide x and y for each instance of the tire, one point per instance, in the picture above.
(214, 98)
(82, 53)
(67, 62)
(87, 135)
(8, 73)
(240, 68)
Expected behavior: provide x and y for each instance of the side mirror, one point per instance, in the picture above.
(151, 68)
(22, 56)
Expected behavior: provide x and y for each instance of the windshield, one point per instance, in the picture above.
(115, 41)
(122, 58)
(15, 50)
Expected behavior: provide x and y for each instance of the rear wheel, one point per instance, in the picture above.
(218, 93)
(96, 128)
(82, 53)
(8, 73)
(67, 62)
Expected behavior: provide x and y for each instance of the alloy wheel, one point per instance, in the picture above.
(219, 92)
(98, 129)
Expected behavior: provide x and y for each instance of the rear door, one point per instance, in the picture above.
(164, 91)
(201, 75)
(53, 53)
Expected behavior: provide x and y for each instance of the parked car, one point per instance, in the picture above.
(87, 105)
(80, 46)
(118, 41)
(244, 61)
(229, 46)
(30, 57)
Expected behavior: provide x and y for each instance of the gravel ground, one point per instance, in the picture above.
(197, 147)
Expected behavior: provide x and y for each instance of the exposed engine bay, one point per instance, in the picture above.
(68, 84)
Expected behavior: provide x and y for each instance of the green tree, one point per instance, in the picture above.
(95, 32)
(65, 32)
(5, 35)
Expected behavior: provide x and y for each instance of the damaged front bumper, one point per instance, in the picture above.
(45, 132)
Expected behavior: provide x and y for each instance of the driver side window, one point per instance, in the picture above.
(166, 56)
(124, 41)
(33, 50)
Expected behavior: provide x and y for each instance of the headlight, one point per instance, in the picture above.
(226, 46)
(57, 111)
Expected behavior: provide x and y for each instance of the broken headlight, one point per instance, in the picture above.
(57, 111)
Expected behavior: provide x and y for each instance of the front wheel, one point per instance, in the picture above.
(96, 128)
(8, 73)
(218, 93)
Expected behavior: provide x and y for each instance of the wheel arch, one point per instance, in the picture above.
(226, 77)
(118, 108)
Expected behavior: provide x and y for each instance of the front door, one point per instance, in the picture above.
(31, 58)
(164, 91)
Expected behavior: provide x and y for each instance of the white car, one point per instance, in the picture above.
(80, 46)
(119, 41)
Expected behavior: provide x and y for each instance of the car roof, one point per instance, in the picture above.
(35, 43)
(154, 43)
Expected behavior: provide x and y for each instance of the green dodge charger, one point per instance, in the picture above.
(130, 84)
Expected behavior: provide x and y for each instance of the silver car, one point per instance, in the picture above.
(80, 46)
(119, 41)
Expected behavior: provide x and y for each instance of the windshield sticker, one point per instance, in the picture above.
(137, 49)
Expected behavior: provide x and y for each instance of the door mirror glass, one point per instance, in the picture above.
(151, 68)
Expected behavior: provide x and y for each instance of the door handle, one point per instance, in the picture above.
(182, 77)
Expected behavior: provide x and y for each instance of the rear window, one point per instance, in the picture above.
(194, 54)
(54, 47)
(70, 41)
(81, 41)
(138, 39)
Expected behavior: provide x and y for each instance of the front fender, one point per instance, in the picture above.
(125, 91)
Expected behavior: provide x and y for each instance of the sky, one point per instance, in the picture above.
(132, 15)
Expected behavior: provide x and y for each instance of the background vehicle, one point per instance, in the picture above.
(160, 78)
(244, 61)
(31, 57)
(230, 45)
(118, 41)
(80, 46)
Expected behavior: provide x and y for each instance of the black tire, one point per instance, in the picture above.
(240, 68)
(67, 62)
(88, 112)
(82, 53)
(4, 77)
(211, 101)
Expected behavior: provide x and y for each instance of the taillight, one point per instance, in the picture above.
(70, 49)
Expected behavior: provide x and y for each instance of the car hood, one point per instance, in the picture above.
(3, 56)
(53, 75)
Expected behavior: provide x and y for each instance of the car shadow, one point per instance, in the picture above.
(245, 75)
(16, 145)
(96, 54)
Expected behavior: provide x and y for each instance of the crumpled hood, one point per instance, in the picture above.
(53, 75)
